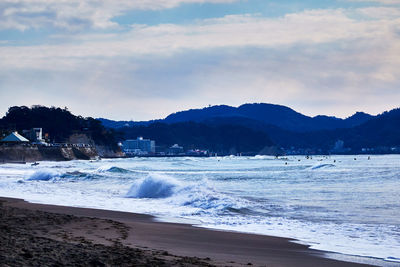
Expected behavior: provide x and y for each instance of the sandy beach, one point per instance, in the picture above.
(48, 235)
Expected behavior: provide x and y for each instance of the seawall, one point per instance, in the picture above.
(23, 153)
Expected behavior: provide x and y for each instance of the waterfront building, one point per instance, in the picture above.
(139, 146)
(197, 152)
(175, 150)
(14, 138)
(34, 135)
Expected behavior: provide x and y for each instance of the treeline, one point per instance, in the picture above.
(59, 123)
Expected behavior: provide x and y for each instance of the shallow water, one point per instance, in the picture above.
(345, 204)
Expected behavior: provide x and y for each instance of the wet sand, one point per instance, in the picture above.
(48, 235)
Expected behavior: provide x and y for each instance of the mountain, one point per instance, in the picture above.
(357, 119)
(381, 134)
(277, 115)
(115, 124)
(381, 131)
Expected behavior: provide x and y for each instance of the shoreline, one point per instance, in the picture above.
(29, 161)
(144, 232)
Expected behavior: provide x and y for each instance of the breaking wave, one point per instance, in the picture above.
(153, 186)
(50, 175)
(113, 169)
(43, 175)
(77, 175)
(196, 195)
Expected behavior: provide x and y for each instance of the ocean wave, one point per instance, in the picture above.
(77, 175)
(113, 169)
(201, 196)
(43, 175)
(322, 166)
(153, 186)
(51, 175)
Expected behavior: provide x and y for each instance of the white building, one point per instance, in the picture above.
(35, 135)
(139, 146)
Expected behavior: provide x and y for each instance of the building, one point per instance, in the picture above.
(197, 152)
(14, 138)
(35, 135)
(175, 150)
(139, 146)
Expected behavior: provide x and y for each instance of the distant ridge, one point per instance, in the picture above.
(277, 115)
(271, 114)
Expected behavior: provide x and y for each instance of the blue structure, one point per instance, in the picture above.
(139, 146)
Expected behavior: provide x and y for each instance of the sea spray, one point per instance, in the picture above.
(153, 186)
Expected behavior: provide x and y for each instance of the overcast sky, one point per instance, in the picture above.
(144, 59)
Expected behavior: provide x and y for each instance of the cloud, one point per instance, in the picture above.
(77, 14)
(305, 77)
(385, 2)
(309, 27)
(384, 13)
(317, 61)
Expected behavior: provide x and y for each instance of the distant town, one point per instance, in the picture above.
(147, 147)
(139, 147)
(129, 148)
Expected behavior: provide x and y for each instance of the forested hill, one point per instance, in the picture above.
(58, 123)
(381, 134)
(277, 115)
(270, 114)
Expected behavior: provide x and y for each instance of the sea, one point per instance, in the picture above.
(347, 205)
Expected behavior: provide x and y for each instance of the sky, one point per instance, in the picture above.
(144, 59)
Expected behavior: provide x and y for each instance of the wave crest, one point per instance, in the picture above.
(43, 175)
(113, 169)
(153, 186)
(202, 197)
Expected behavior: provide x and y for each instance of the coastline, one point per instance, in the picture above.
(157, 240)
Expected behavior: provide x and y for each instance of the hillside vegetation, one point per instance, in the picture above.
(59, 123)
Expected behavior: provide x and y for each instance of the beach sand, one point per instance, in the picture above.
(48, 235)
